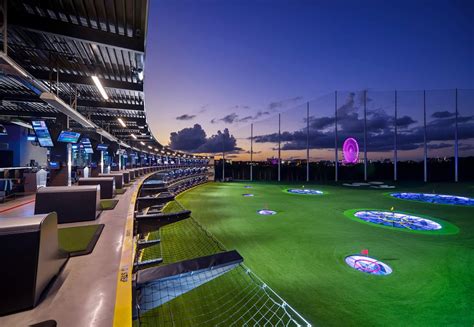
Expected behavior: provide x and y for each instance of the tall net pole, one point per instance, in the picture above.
(336, 160)
(395, 145)
(279, 146)
(307, 141)
(456, 154)
(425, 152)
(251, 152)
(223, 159)
(365, 135)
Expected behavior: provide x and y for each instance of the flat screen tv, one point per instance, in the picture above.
(102, 147)
(42, 133)
(87, 145)
(68, 137)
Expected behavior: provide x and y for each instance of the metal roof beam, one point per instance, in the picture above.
(109, 105)
(55, 27)
(80, 102)
(86, 80)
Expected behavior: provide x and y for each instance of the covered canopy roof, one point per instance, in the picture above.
(55, 47)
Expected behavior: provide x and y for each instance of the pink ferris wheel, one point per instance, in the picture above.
(350, 150)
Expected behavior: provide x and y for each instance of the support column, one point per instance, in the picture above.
(456, 145)
(279, 147)
(69, 163)
(425, 156)
(307, 141)
(223, 165)
(365, 135)
(336, 159)
(395, 145)
(251, 152)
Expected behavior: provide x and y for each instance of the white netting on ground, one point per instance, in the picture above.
(226, 296)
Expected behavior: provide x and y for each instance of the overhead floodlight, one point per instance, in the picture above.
(140, 74)
(133, 135)
(100, 87)
(150, 147)
(142, 143)
(121, 122)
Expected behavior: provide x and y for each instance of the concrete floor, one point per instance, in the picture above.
(84, 292)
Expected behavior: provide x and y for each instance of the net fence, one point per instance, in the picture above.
(224, 296)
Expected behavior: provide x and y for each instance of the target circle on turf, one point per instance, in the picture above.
(304, 191)
(368, 265)
(266, 212)
(397, 220)
(435, 198)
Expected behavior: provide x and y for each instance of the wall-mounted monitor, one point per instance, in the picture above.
(68, 137)
(86, 143)
(102, 147)
(42, 133)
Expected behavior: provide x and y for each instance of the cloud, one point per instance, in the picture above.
(188, 139)
(380, 130)
(235, 118)
(442, 114)
(220, 142)
(283, 103)
(193, 139)
(230, 118)
(405, 121)
(239, 106)
(203, 109)
(186, 117)
(441, 145)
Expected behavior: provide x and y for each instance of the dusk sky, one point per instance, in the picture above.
(226, 64)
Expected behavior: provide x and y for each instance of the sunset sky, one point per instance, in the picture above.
(226, 64)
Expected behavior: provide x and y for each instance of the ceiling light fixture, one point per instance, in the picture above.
(133, 135)
(121, 122)
(100, 87)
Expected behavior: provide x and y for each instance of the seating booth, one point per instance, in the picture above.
(30, 259)
(126, 177)
(71, 203)
(118, 178)
(107, 185)
(132, 174)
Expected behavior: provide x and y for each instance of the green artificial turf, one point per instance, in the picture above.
(108, 204)
(300, 252)
(79, 240)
